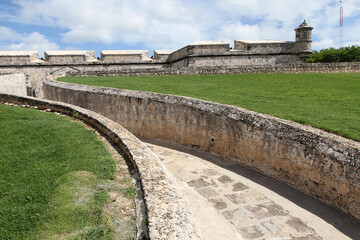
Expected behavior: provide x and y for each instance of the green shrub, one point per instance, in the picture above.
(345, 54)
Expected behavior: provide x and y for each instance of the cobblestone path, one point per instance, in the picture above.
(227, 205)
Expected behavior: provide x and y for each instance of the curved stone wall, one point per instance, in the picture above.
(323, 164)
(166, 214)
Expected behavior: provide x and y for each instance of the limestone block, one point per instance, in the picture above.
(342, 188)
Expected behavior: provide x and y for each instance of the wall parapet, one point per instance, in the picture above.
(322, 164)
(167, 215)
(70, 57)
(124, 56)
(19, 58)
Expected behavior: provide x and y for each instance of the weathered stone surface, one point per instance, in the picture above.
(218, 203)
(199, 183)
(266, 210)
(278, 220)
(239, 187)
(225, 179)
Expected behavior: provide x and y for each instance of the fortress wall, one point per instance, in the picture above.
(162, 197)
(266, 47)
(244, 60)
(322, 164)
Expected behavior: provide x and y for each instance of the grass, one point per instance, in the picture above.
(327, 101)
(51, 168)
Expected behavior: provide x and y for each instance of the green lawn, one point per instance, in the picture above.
(327, 101)
(51, 170)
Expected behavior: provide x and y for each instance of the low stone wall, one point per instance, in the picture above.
(167, 216)
(322, 164)
(118, 70)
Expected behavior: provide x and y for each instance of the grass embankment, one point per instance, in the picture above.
(53, 177)
(327, 101)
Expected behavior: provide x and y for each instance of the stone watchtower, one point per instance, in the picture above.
(304, 40)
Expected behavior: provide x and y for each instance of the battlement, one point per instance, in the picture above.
(199, 54)
(196, 51)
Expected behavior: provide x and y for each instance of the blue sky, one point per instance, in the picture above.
(167, 24)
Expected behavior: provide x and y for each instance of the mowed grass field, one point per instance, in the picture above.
(327, 101)
(51, 172)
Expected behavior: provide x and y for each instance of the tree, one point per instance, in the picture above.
(345, 54)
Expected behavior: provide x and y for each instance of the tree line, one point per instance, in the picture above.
(345, 54)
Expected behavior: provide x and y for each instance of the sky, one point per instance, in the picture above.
(44, 25)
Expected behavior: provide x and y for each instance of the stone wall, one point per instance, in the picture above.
(322, 164)
(142, 70)
(13, 84)
(167, 215)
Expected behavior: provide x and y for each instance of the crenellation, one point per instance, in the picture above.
(69, 57)
(19, 57)
(124, 56)
(162, 55)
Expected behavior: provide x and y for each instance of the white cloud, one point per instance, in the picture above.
(14, 41)
(34, 42)
(111, 21)
(85, 20)
(7, 34)
(170, 11)
(175, 23)
(239, 31)
(325, 43)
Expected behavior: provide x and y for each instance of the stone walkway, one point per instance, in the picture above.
(229, 201)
